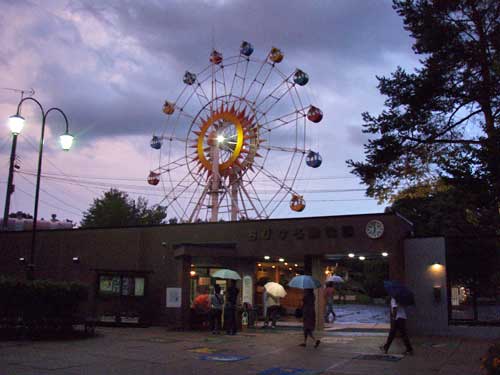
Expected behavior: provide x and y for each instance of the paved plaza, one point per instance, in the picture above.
(156, 351)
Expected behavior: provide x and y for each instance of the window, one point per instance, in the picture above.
(115, 285)
(109, 285)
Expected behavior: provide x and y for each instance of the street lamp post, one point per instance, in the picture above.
(15, 128)
(66, 142)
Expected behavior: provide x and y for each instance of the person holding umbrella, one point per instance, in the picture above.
(231, 298)
(308, 283)
(216, 304)
(272, 294)
(400, 296)
(328, 294)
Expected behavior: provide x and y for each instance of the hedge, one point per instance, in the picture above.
(40, 303)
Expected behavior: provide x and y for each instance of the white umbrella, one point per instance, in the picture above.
(275, 289)
(334, 279)
(226, 274)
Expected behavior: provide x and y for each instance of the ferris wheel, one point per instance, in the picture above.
(234, 140)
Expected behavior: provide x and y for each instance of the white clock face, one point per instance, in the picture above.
(374, 229)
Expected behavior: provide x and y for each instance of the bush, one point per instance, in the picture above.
(40, 303)
(491, 361)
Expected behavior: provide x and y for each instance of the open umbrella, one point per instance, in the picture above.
(399, 292)
(334, 279)
(226, 274)
(304, 282)
(275, 289)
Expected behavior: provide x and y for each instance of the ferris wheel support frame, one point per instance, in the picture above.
(215, 182)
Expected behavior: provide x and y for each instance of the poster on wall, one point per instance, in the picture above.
(247, 293)
(174, 297)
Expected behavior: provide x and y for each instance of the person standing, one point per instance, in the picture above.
(272, 305)
(216, 303)
(309, 316)
(328, 294)
(398, 324)
(230, 308)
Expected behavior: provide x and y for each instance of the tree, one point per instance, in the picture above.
(441, 209)
(116, 209)
(20, 215)
(441, 122)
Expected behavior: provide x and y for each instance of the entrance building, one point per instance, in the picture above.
(151, 275)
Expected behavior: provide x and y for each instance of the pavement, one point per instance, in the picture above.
(155, 351)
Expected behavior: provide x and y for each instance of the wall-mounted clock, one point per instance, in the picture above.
(374, 229)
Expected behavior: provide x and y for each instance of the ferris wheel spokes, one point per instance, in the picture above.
(256, 199)
(282, 120)
(177, 163)
(273, 101)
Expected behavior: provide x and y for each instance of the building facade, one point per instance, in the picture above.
(152, 275)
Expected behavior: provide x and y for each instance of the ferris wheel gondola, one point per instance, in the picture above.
(235, 139)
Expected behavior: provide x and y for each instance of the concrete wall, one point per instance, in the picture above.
(428, 316)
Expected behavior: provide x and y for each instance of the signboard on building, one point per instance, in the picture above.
(174, 297)
(247, 286)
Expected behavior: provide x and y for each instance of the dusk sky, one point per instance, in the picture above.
(109, 65)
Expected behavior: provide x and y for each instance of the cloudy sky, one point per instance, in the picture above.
(110, 65)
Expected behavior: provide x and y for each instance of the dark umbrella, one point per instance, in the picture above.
(399, 292)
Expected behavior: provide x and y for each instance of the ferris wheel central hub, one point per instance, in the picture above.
(234, 133)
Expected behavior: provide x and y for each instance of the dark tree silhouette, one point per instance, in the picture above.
(441, 122)
(116, 209)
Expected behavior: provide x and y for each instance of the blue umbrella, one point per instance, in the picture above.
(304, 282)
(399, 292)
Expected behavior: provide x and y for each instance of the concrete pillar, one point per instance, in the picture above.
(313, 266)
(319, 274)
(185, 283)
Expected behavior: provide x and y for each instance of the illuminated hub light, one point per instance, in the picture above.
(362, 258)
(385, 254)
(267, 257)
(220, 138)
(351, 255)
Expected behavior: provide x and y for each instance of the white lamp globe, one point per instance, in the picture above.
(66, 141)
(16, 124)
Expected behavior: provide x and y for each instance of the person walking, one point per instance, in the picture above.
(309, 316)
(328, 294)
(398, 324)
(272, 305)
(216, 304)
(230, 308)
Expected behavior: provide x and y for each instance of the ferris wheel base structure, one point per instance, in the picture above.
(234, 140)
